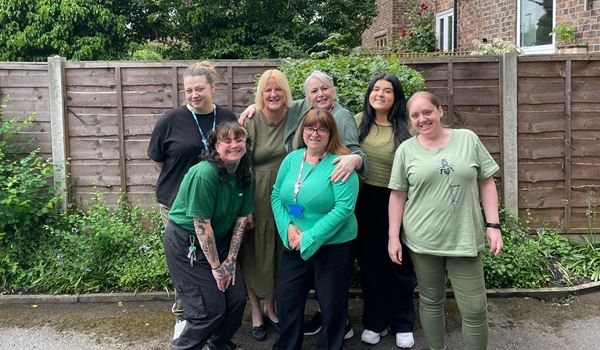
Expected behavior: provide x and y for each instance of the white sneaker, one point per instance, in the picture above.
(405, 340)
(370, 337)
(179, 326)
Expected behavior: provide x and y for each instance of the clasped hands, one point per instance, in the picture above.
(294, 237)
(224, 275)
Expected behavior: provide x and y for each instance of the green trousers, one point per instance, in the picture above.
(466, 276)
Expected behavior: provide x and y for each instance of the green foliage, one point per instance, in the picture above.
(100, 249)
(33, 30)
(419, 33)
(527, 261)
(262, 29)
(148, 52)
(564, 34)
(496, 47)
(351, 75)
(27, 199)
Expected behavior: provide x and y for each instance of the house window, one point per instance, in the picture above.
(444, 29)
(382, 42)
(536, 20)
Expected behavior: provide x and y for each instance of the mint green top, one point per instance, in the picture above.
(378, 145)
(442, 215)
(203, 195)
(328, 207)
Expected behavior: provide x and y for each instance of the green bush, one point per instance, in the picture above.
(101, 249)
(27, 199)
(527, 261)
(351, 75)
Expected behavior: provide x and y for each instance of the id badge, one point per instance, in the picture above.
(295, 210)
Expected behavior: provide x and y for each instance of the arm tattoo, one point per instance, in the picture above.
(237, 237)
(206, 238)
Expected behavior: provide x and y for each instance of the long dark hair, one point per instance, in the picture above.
(397, 116)
(210, 154)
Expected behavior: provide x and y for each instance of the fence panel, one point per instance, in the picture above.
(111, 109)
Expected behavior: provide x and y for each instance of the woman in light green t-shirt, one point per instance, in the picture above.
(438, 179)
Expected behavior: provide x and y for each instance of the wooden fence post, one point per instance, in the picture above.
(510, 156)
(58, 118)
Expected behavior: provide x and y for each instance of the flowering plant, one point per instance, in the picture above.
(419, 33)
(496, 47)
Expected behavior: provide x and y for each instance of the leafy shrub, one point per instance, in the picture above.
(496, 47)
(27, 199)
(350, 75)
(99, 250)
(527, 261)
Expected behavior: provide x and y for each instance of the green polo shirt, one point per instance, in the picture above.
(203, 195)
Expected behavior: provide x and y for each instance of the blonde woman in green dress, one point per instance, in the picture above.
(262, 247)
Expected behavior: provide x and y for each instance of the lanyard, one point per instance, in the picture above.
(300, 180)
(204, 141)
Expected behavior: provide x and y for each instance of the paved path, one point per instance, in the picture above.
(515, 323)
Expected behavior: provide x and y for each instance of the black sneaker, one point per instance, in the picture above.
(314, 325)
(227, 346)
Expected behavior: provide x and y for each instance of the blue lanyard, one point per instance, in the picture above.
(204, 141)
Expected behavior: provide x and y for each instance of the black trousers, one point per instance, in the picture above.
(387, 287)
(329, 270)
(209, 313)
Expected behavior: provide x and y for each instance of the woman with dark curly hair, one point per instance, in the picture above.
(202, 239)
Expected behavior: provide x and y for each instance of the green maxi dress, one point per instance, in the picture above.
(261, 249)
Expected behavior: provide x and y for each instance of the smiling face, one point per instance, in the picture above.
(381, 97)
(199, 93)
(316, 138)
(321, 95)
(273, 96)
(231, 149)
(425, 117)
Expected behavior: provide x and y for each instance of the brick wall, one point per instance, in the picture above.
(587, 22)
(478, 19)
(443, 5)
(387, 24)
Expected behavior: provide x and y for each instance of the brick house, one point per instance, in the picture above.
(527, 23)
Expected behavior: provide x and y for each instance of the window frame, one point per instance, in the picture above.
(539, 49)
(445, 15)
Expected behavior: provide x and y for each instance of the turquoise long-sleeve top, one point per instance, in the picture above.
(328, 208)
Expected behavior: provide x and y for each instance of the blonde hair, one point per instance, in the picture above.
(324, 118)
(205, 68)
(280, 80)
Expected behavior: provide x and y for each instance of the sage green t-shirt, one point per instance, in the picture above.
(203, 195)
(442, 215)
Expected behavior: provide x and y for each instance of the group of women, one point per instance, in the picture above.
(287, 184)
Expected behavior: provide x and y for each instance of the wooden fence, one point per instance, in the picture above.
(539, 117)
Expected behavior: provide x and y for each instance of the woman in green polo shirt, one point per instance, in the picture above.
(438, 180)
(202, 239)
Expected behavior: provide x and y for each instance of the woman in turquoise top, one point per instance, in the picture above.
(315, 220)
(439, 177)
(203, 237)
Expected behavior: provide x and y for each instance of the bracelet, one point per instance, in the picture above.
(214, 268)
(487, 224)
